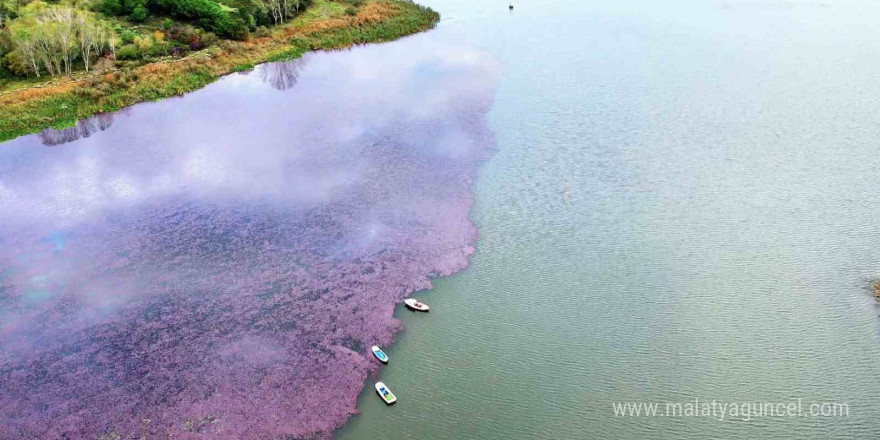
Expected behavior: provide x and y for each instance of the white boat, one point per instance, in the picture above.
(383, 358)
(416, 305)
(385, 393)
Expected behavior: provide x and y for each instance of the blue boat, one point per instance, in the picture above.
(383, 358)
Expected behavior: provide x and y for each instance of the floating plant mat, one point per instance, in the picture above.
(218, 265)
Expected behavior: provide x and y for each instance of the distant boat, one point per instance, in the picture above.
(511, 5)
(385, 393)
(416, 305)
(383, 358)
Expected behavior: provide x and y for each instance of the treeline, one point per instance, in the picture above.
(208, 14)
(233, 19)
(52, 38)
(39, 38)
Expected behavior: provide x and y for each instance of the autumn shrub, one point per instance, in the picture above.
(103, 65)
(128, 52)
(262, 32)
(144, 44)
(209, 39)
(105, 87)
(196, 44)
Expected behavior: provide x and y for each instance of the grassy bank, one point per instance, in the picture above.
(326, 25)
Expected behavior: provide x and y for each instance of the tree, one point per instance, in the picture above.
(25, 40)
(93, 36)
(53, 37)
(61, 22)
(112, 39)
(275, 8)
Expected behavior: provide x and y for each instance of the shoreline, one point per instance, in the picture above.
(61, 105)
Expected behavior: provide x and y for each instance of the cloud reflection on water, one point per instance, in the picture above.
(217, 263)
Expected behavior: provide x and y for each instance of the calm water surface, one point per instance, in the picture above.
(684, 205)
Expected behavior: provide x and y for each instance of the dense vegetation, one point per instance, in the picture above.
(164, 57)
(38, 38)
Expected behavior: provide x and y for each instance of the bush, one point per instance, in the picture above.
(208, 39)
(139, 14)
(127, 36)
(103, 65)
(9, 11)
(16, 64)
(128, 6)
(143, 44)
(263, 31)
(231, 27)
(6, 44)
(351, 11)
(111, 7)
(160, 49)
(207, 13)
(128, 52)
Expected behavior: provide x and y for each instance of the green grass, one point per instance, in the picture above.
(25, 112)
(242, 67)
(321, 10)
(296, 50)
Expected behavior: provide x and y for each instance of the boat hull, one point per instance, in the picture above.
(412, 304)
(387, 396)
(380, 355)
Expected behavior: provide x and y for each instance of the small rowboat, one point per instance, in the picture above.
(383, 358)
(385, 393)
(416, 305)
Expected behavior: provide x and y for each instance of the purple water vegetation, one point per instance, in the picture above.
(218, 265)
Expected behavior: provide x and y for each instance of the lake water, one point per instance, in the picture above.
(217, 266)
(684, 204)
(680, 202)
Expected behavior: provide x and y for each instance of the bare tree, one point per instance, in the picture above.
(54, 36)
(86, 35)
(61, 22)
(111, 39)
(91, 34)
(25, 43)
(276, 8)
